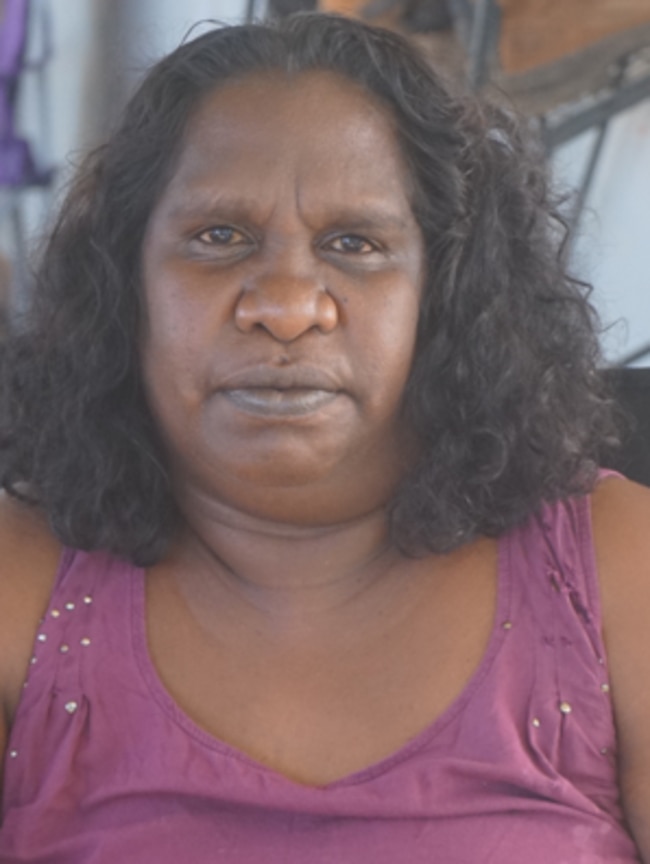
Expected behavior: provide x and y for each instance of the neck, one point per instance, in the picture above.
(293, 576)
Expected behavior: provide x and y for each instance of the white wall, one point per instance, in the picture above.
(156, 27)
(613, 251)
(146, 30)
(51, 113)
(68, 76)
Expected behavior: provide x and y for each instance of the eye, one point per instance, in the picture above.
(222, 235)
(352, 244)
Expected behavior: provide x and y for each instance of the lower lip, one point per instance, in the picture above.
(269, 402)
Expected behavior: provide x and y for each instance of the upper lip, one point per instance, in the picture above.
(263, 376)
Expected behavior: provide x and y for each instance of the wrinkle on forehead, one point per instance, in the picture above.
(296, 128)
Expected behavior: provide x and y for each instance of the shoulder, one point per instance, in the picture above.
(621, 529)
(29, 556)
(621, 526)
(619, 509)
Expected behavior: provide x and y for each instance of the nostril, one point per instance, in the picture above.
(286, 314)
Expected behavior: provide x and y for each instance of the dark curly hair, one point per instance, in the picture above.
(504, 391)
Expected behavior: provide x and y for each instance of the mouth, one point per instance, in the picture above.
(289, 391)
(280, 402)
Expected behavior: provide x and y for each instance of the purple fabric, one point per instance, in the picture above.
(15, 159)
(17, 166)
(107, 768)
(13, 34)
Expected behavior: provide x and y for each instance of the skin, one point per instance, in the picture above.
(282, 274)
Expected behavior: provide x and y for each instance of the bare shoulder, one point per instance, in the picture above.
(29, 556)
(621, 510)
(27, 545)
(621, 522)
(621, 525)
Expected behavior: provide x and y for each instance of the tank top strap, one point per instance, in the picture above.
(566, 535)
(553, 562)
(557, 582)
(89, 588)
(564, 530)
(84, 631)
(560, 649)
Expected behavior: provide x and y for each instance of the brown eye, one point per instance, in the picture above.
(352, 244)
(222, 235)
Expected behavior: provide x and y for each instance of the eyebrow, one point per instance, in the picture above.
(359, 218)
(198, 206)
(367, 218)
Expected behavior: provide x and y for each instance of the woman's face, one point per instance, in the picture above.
(282, 273)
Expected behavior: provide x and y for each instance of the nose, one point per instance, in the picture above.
(286, 300)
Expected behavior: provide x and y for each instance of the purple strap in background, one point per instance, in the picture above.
(13, 34)
(17, 166)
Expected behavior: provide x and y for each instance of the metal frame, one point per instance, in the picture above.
(256, 10)
(633, 356)
(626, 96)
(594, 156)
(11, 198)
(478, 24)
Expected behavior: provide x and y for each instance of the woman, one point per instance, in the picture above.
(306, 381)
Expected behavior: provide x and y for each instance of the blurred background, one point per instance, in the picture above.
(578, 69)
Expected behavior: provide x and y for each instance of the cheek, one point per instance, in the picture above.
(177, 325)
(170, 357)
(172, 317)
(389, 346)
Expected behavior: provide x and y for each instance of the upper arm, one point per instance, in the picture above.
(29, 556)
(621, 520)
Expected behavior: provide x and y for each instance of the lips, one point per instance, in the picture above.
(291, 402)
(281, 391)
(296, 376)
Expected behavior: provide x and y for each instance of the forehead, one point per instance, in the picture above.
(315, 131)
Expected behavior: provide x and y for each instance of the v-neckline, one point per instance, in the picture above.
(182, 719)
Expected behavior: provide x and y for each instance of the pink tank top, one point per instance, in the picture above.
(104, 768)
